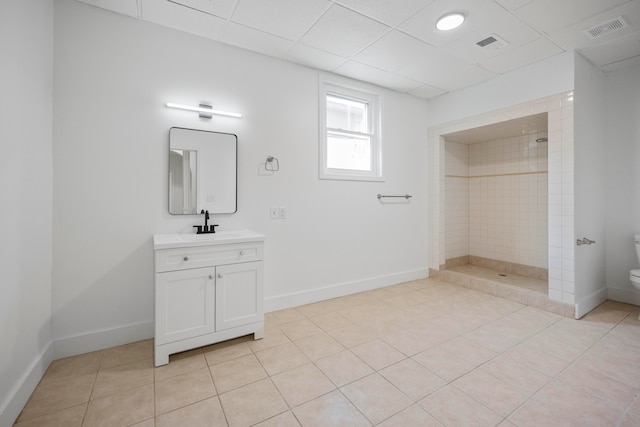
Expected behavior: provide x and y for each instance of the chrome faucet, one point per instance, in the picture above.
(206, 228)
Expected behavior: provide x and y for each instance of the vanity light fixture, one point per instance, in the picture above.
(450, 21)
(205, 111)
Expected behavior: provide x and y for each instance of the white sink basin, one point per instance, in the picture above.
(167, 241)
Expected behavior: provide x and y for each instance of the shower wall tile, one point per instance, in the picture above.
(568, 298)
(456, 200)
(557, 276)
(507, 215)
(555, 294)
(568, 276)
(457, 218)
(508, 200)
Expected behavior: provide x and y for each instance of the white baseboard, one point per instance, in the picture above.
(627, 295)
(99, 340)
(19, 395)
(587, 304)
(296, 299)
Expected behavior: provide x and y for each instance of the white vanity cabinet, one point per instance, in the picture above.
(208, 288)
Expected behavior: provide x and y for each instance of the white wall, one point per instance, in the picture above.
(622, 102)
(539, 80)
(589, 185)
(26, 46)
(112, 76)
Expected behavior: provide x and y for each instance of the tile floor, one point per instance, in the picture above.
(422, 353)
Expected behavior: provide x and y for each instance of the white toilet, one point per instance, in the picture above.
(635, 274)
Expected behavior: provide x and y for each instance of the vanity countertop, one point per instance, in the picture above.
(168, 241)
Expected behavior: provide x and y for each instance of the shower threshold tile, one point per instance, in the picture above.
(524, 290)
(512, 279)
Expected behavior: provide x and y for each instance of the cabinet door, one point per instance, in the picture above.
(239, 295)
(185, 302)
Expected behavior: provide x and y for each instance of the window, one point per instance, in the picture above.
(350, 146)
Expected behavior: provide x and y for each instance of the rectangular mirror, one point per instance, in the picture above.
(202, 171)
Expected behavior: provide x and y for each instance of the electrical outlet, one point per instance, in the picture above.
(282, 212)
(274, 213)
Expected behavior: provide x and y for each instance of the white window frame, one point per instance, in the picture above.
(361, 94)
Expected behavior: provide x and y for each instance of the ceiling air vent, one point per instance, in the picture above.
(606, 27)
(491, 43)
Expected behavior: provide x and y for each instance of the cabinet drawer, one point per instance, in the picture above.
(206, 256)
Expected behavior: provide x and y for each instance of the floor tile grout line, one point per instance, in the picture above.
(628, 408)
(93, 386)
(353, 403)
(557, 376)
(217, 395)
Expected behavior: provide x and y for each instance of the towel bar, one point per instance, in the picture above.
(406, 196)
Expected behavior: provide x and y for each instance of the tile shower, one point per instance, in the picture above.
(496, 201)
(506, 221)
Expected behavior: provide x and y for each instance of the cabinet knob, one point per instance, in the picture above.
(211, 276)
(220, 275)
(241, 253)
(185, 258)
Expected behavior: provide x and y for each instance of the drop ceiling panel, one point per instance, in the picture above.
(125, 7)
(443, 71)
(460, 77)
(258, 41)
(315, 58)
(389, 12)
(608, 53)
(183, 18)
(376, 76)
(481, 14)
(619, 65)
(285, 18)
(507, 28)
(221, 8)
(343, 32)
(395, 50)
(513, 4)
(574, 37)
(532, 52)
(427, 92)
(552, 15)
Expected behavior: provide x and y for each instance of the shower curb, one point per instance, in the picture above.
(502, 290)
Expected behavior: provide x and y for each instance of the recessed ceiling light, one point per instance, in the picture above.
(450, 21)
